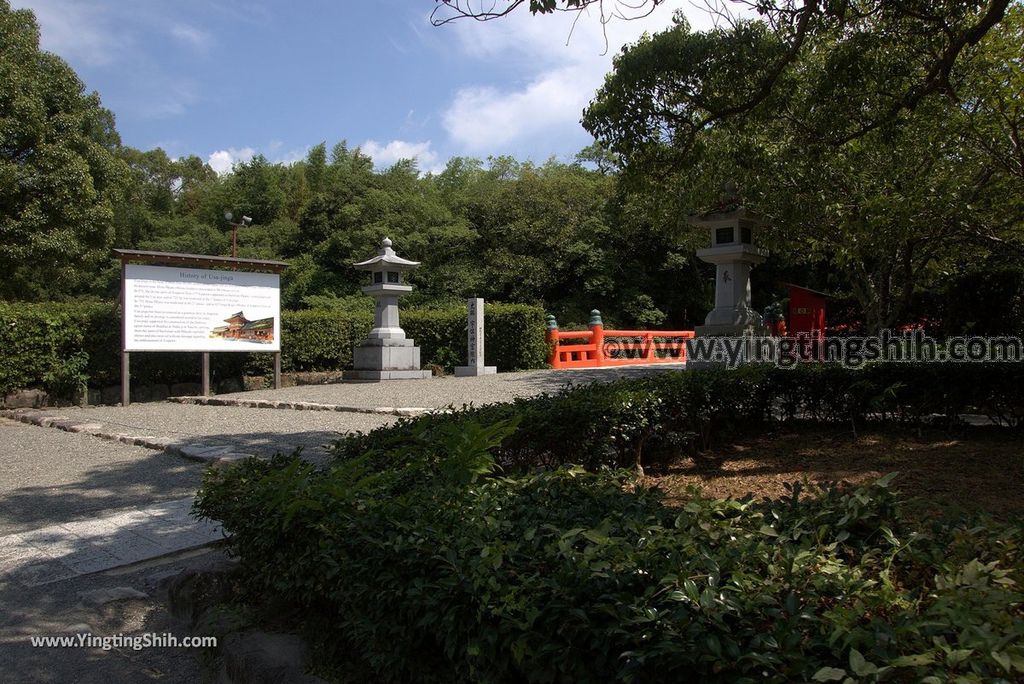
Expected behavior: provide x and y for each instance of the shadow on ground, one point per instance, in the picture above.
(150, 478)
(56, 609)
(968, 469)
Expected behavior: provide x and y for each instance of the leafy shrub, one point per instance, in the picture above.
(438, 570)
(649, 420)
(901, 392)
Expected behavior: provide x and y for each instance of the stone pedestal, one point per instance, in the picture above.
(475, 339)
(394, 359)
(732, 315)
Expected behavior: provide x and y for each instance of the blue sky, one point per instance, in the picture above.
(225, 79)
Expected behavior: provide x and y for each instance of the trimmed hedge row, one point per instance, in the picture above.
(648, 420)
(57, 345)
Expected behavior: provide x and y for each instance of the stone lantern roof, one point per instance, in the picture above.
(386, 259)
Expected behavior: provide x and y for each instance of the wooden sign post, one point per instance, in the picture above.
(198, 303)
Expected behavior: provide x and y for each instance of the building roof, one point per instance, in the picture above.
(259, 324)
(807, 289)
(141, 256)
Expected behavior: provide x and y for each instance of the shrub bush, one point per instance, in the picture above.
(435, 570)
(39, 340)
(648, 420)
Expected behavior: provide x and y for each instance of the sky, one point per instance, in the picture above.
(227, 79)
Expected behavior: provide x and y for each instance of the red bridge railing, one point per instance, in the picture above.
(599, 347)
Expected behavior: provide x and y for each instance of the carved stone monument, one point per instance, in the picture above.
(475, 334)
(386, 353)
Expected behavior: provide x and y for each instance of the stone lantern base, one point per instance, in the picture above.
(386, 359)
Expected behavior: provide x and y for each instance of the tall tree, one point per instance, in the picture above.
(890, 207)
(59, 172)
(927, 39)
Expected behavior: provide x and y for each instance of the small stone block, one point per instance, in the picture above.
(473, 371)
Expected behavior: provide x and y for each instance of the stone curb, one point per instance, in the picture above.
(301, 406)
(204, 453)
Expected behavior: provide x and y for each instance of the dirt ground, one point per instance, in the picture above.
(969, 470)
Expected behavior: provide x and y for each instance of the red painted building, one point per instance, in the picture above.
(806, 312)
(240, 328)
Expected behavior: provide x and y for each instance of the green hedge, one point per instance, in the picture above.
(43, 344)
(653, 419)
(433, 569)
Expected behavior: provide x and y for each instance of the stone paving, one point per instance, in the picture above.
(227, 427)
(205, 433)
(233, 426)
(402, 397)
(59, 552)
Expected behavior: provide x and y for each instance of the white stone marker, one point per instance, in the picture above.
(475, 327)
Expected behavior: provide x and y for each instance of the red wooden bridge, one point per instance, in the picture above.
(599, 347)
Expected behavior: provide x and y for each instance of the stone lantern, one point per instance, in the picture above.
(386, 353)
(733, 228)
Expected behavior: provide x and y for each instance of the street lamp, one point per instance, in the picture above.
(229, 217)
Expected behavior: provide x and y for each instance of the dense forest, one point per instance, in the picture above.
(915, 220)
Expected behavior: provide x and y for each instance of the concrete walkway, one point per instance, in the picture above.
(406, 396)
(59, 552)
(232, 426)
(205, 433)
(73, 504)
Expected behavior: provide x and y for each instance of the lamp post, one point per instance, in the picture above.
(229, 217)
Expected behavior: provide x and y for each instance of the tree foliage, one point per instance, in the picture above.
(60, 174)
(893, 217)
(890, 209)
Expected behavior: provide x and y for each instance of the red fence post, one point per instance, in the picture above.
(597, 339)
(552, 336)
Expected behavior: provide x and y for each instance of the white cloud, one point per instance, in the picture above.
(155, 96)
(290, 157)
(479, 119)
(190, 35)
(223, 161)
(77, 31)
(563, 65)
(396, 150)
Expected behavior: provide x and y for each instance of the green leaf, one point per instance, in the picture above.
(913, 660)
(860, 666)
(1003, 659)
(886, 480)
(829, 674)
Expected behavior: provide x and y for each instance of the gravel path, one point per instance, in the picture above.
(449, 390)
(255, 431)
(50, 476)
(284, 421)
